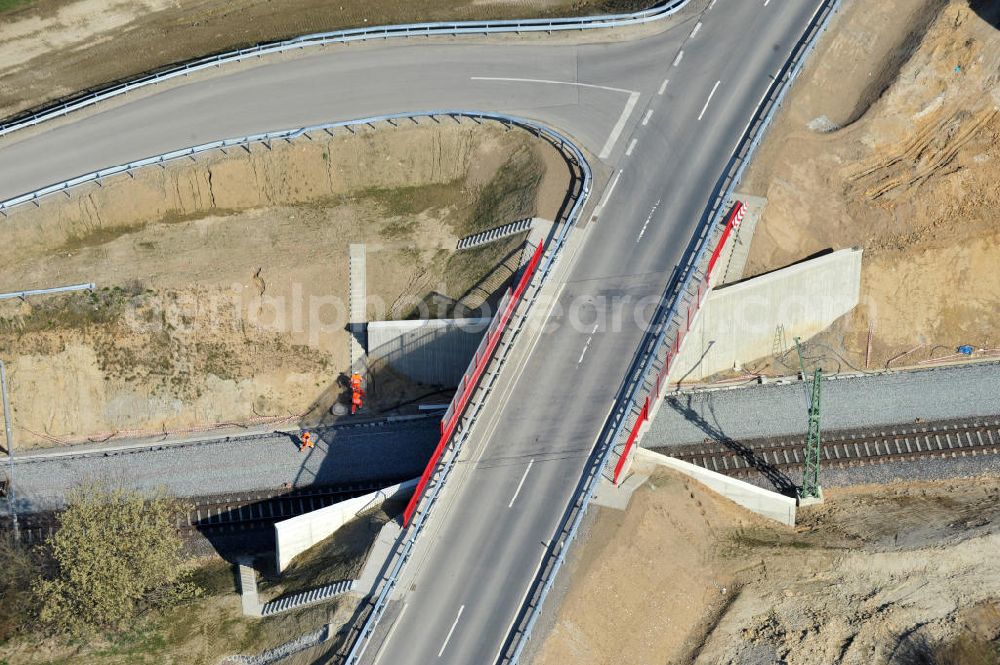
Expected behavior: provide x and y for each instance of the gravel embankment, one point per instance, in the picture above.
(848, 403)
(342, 455)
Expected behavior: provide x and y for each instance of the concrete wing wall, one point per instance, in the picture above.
(435, 352)
(294, 536)
(738, 322)
(764, 502)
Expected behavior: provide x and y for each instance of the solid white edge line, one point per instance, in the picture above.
(448, 638)
(631, 147)
(607, 194)
(709, 100)
(548, 82)
(520, 484)
(388, 636)
(616, 131)
(505, 395)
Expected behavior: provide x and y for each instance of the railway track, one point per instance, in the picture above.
(231, 513)
(849, 448)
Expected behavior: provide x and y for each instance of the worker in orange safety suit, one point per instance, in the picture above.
(306, 441)
(357, 393)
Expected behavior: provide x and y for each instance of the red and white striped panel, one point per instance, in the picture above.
(738, 214)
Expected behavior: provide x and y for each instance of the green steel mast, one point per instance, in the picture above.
(810, 474)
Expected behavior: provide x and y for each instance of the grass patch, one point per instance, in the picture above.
(18, 565)
(218, 360)
(75, 311)
(510, 195)
(472, 275)
(755, 538)
(142, 641)
(398, 230)
(339, 557)
(965, 649)
(215, 578)
(11, 5)
(101, 235)
(413, 200)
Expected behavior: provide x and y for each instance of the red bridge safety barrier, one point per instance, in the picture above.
(643, 417)
(471, 378)
(732, 222)
(735, 217)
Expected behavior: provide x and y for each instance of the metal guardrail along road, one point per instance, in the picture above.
(659, 11)
(90, 286)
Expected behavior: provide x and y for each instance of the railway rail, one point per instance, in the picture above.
(846, 448)
(231, 513)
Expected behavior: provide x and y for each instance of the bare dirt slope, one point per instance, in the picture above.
(222, 284)
(874, 576)
(53, 48)
(890, 142)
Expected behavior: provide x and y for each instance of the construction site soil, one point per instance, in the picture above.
(891, 141)
(223, 284)
(875, 575)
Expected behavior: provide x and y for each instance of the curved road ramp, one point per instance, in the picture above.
(663, 126)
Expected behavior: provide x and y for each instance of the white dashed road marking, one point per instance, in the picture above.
(446, 639)
(587, 345)
(520, 484)
(707, 101)
(648, 218)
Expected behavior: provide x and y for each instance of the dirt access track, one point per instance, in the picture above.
(874, 576)
(222, 284)
(50, 49)
(891, 141)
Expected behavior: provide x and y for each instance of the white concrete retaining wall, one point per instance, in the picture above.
(738, 322)
(435, 352)
(768, 504)
(294, 536)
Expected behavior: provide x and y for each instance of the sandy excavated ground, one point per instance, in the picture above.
(872, 576)
(223, 284)
(53, 48)
(890, 142)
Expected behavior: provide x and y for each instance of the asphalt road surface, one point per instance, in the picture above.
(685, 94)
